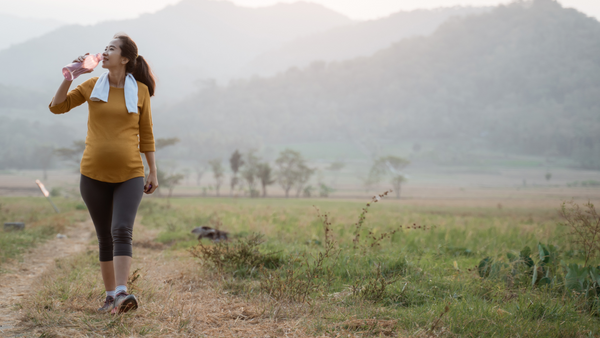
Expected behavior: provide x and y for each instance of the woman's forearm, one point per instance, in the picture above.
(151, 161)
(61, 93)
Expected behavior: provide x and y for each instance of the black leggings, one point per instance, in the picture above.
(112, 207)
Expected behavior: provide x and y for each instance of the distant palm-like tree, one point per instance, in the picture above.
(218, 173)
(264, 173)
(236, 162)
(389, 166)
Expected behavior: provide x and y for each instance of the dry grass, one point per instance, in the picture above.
(177, 298)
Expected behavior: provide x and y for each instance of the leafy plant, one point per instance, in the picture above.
(543, 272)
(546, 270)
(584, 281)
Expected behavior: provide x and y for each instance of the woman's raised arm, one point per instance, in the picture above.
(61, 93)
(63, 89)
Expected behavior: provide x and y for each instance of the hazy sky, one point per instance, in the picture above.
(90, 12)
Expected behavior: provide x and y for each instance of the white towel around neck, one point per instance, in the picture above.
(102, 87)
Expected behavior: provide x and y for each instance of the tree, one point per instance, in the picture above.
(186, 174)
(303, 175)
(389, 166)
(235, 162)
(324, 190)
(72, 154)
(250, 173)
(44, 155)
(397, 183)
(336, 167)
(168, 181)
(218, 172)
(264, 174)
(288, 164)
(161, 143)
(200, 169)
(307, 192)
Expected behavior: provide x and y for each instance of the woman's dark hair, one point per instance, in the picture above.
(137, 65)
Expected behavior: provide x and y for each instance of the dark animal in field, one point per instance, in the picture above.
(210, 233)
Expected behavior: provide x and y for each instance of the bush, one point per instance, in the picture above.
(584, 228)
(55, 192)
(241, 257)
(298, 278)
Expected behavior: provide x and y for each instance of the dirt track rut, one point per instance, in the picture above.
(16, 283)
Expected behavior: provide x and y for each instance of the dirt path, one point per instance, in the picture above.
(178, 298)
(17, 282)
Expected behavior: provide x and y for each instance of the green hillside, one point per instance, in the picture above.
(523, 78)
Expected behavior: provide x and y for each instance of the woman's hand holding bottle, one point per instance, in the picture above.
(82, 65)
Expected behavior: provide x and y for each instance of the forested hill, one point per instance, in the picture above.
(523, 78)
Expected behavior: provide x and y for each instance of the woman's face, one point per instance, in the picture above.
(112, 55)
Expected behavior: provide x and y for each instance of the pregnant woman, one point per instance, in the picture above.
(112, 171)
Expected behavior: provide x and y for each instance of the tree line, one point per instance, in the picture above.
(251, 175)
(249, 171)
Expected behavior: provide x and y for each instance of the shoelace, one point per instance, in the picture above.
(108, 300)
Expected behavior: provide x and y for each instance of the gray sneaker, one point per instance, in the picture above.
(124, 302)
(109, 304)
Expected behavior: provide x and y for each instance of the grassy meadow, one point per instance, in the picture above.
(41, 222)
(296, 267)
(412, 276)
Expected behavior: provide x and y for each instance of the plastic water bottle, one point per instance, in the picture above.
(73, 70)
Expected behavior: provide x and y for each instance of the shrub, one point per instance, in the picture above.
(584, 228)
(55, 192)
(240, 256)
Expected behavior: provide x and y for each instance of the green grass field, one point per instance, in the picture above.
(41, 222)
(410, 277)
(415, 270)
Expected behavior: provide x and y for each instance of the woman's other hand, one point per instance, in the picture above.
(151, 183)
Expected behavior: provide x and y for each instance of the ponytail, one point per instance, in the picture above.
(143, 73)
(137, 65)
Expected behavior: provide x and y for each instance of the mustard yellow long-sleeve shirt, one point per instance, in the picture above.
(115, 137)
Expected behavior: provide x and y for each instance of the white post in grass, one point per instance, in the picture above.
(47, 194)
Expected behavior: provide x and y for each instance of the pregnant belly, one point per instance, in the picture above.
(111, 157)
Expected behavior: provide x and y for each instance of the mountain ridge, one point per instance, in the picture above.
(215, 42)
(23, 29)
(359, 39)
(521, 78)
